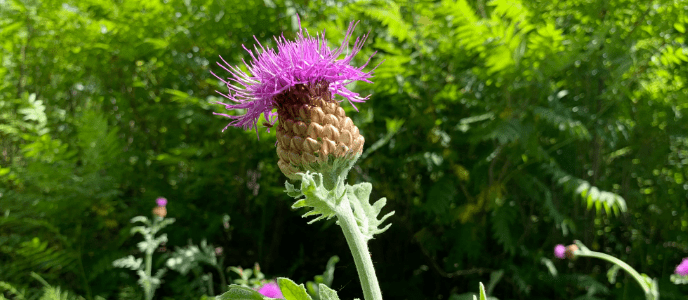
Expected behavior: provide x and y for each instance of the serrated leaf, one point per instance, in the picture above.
(237, 292)
(129, 262)
(327, 293)
(316, 196)
(291, 291)
(366, 214)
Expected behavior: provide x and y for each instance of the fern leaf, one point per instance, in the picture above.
(503, 218)
(590, 195)
(390, 16)
(564, 123)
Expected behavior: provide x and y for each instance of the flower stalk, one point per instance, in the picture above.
(359, 249)
(647, 284)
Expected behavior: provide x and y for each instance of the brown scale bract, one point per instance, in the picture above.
(312, 128)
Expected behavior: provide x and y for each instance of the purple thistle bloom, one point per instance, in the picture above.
(271, 290)
(682, 268)
(560, 251)
(306, 60)
(161, 201)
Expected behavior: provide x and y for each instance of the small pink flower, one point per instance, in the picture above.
(560, 251)
(161, 201)
(218, 251)
(272, 290)
(682, 268)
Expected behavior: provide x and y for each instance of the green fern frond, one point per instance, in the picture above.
(612, 203)
(37, 255)
(390, 16)
(507, 131)
(12, 291)
(503, 218)
(564, 123)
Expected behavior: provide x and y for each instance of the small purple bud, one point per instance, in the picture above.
(560, 251)
(218, 251)
(161, 201)
(271, 290)
(682, 268)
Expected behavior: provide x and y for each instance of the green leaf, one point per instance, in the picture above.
(237, 292)
(327, 293)
(291, 291)
(365, 213)
(317, 196)
(129, 262)
(483, 296)
(611, 274)
(680, 27)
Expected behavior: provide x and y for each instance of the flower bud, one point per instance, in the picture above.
(160, 211)
(314, 133)
(571, 251)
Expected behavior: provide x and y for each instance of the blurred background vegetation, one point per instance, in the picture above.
(496, 129)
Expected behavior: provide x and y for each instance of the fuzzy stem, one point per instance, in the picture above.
(639, 278)
(223, 280)
(148, 288)
(359, 249)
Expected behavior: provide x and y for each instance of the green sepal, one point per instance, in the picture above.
(679, 279)
(237, 292)
(366, 214)
(320, 199)
(327, 293)
(291, 291)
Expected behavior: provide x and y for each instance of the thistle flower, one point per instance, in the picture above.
(160, 210)
(300, 81)
(682, 268)
(560, 251)
(271, 290)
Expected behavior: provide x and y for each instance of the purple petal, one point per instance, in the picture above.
(560, 251)
(271, 290)
(682, 268)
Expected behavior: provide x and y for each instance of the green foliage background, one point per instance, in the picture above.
(496, 129)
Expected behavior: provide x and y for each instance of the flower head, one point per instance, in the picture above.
(272, 290)
(300, 80)
(682, 268)
(560, 251)
(161, 201)
(306, 60)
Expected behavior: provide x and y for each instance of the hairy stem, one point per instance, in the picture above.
(359, 249)
(639, 278)
(223, 280)
(148, 286)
